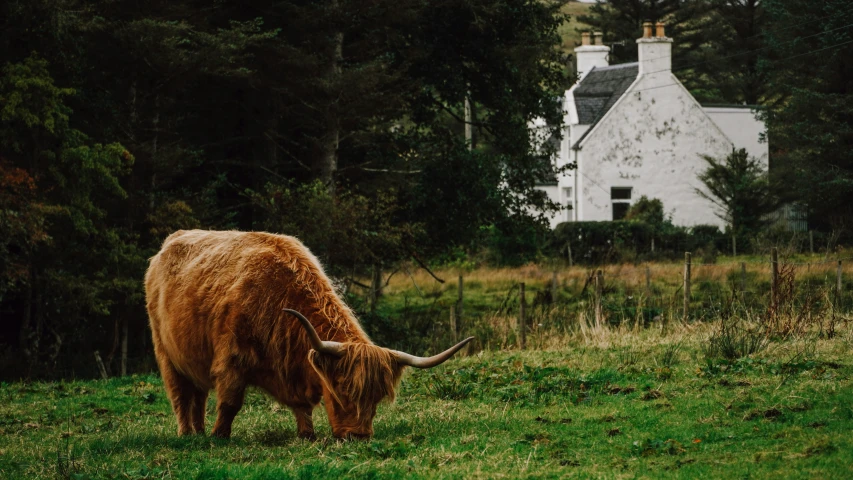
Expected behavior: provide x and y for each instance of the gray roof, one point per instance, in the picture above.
(599, 90)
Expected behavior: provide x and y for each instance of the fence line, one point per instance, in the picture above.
(694, 287)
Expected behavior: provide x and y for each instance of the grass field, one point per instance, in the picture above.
(608, 403)
(569, 30)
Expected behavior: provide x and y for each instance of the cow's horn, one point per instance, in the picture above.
(428, 362)
(322, 346)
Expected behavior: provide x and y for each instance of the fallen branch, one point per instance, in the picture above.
(359, 284)
(426, 268)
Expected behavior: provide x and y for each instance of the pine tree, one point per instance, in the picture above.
(811, 129)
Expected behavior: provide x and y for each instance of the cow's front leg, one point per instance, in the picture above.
(304, 421)
(230, 391)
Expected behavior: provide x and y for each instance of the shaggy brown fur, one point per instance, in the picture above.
(215, 303)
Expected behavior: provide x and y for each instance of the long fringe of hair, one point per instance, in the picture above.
(368, 373)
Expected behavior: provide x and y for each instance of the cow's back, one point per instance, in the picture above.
(214, 293)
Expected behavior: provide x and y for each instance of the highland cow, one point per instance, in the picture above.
(233, 309)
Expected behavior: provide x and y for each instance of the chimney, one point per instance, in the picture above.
(591, 53)
(655, 53)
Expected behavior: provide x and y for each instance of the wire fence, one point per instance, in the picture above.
(648, 293)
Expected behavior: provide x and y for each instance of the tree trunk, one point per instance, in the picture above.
(155, 126)
(124, 323)
(469, 128)
(24, 333)
(375, 286)
(330, 138)
(265, 152)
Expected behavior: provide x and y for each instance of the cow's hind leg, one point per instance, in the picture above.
(230, 391)
(182, 393)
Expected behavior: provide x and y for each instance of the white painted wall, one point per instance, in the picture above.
(589, 56)
(742, 128)
(651, 141)
(654, 55)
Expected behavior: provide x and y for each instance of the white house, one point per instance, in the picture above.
(633, 130)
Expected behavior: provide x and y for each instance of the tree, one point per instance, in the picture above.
(648, 210)
(197, 116)
(728, 46)
(811, 128)
(70, 262)
(622, 20)
(718, 44)
(738, 185)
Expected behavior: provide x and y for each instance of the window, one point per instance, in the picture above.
(620, 197)
(568, 203)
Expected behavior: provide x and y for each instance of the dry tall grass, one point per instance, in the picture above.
(632, 276)
(808, 304)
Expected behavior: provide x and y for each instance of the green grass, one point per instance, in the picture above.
(569, 30)
(612, 404)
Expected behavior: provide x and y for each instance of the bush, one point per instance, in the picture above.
(599, 242)
(648, 210)
(629, 241)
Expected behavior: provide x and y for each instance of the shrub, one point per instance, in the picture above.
(628, 241)
(598, 242)
(647, 210)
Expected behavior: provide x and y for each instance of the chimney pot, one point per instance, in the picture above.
(585, 38)
(659, 27)
(647, 29)
(599, 38)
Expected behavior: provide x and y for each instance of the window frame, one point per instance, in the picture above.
(617, 198)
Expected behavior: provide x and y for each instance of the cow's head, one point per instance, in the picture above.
(357, 376)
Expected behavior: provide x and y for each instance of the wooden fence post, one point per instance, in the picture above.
(838, 284)
(599, 289)
(653, 244)
(554, 286)
(453, 331)
(774, 277)
(124, 347)
(734, 245)
(459, 304)
(686, 284)
(522, 321)
(569, 250)
(100, 363)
